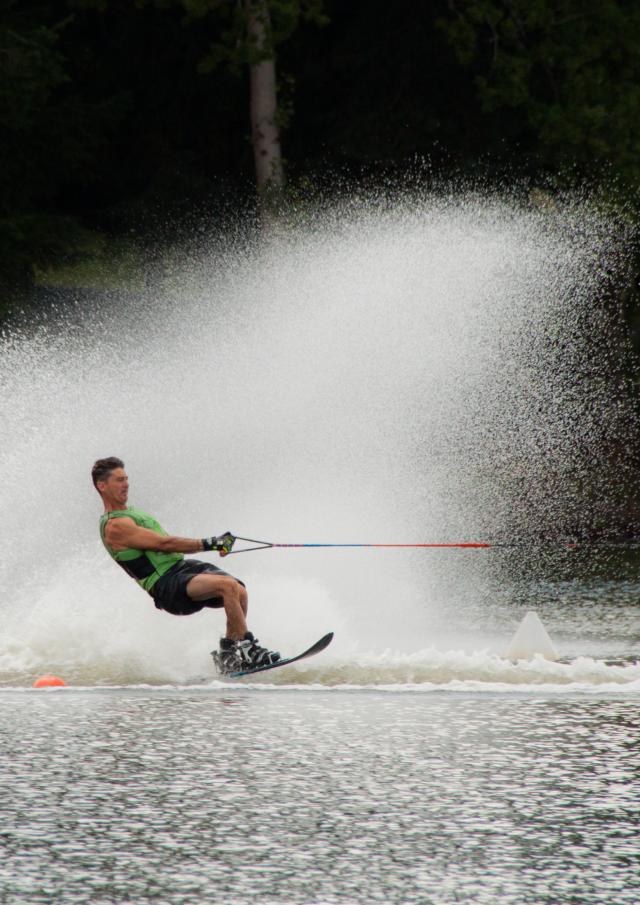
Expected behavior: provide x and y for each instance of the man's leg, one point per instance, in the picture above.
(244, 599)
(234, 598)
(247, 650)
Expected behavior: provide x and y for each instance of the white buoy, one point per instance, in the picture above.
(531, 638)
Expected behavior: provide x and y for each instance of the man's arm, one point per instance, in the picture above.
(121, 533)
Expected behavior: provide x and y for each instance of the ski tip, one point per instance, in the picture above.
(328, 638)
(316, 648)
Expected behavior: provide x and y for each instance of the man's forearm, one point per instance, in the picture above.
(172, 544)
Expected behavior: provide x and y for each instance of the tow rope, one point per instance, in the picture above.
(462, 545)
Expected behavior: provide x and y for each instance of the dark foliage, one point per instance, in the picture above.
(119, 115)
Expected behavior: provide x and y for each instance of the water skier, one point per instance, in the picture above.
(177, 585)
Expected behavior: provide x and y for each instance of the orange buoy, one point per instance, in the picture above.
(48, 682)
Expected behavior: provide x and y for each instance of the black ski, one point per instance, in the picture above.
(320, 645)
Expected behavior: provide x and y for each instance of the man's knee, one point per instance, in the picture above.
(208, 585)
(229, 587)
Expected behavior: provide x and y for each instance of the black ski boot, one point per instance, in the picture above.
(254, 655)
(227, 658)
(246, 654)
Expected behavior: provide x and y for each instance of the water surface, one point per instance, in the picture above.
(310, 797)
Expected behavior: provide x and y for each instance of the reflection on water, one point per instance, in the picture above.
(315, 798)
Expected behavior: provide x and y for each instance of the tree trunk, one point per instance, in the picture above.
(265, 131)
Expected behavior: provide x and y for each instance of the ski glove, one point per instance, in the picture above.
(222, 544)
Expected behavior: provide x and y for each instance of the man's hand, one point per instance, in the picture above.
(223, 544)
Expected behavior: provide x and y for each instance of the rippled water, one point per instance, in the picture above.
(318, 796)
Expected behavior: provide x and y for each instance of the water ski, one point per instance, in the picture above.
(316, 648)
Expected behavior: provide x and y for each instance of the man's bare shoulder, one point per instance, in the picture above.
(116, 527)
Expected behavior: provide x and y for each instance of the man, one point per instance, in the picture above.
(177, 585)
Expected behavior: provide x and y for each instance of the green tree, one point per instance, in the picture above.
(49, 137)
(248, 34)
(560, 78)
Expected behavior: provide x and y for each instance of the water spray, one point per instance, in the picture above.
(439, 368)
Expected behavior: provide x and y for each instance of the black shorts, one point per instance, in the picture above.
(170, 592)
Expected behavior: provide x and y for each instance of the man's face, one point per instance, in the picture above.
(116, 487)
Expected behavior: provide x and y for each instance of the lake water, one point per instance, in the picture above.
(438, 776)
(319, 796)
(413, 370)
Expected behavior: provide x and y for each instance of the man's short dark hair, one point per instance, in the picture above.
(102, 468)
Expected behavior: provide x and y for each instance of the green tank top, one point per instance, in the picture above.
(146, 566)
